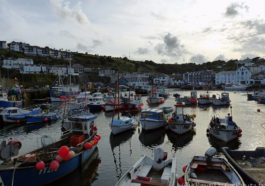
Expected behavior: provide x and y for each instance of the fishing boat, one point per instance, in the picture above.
(188, 101)
(113, 105)
(12, 99)
(224, 129)
(181, 123)
(162, 92)
(154, 98)
(52, 161)
(17, 115)
(152, 119)
(210, 169)
(238, 87)
(204, 99)
(143, 90)
(250, 164)
(95, 102)
(131, 102)
(224, 100)
(148, 171)
(122, 124)
(42, 117)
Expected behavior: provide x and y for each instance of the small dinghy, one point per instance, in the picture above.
(148, 171)
(224, 129)
(210, 170)
(249, 164)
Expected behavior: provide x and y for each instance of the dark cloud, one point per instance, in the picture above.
(233, 9)
(142, 51)
(221, 57)
(62, 8)
(199, 59)
(82, 47)
(171, 46)
(251, 38)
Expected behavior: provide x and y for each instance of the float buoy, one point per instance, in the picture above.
(54, 165)
(258, 110)
(181, 181)
(63, 151)
(40, 165)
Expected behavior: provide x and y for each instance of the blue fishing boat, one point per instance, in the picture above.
(95, 102)
(12, 99)
(17, 115)
(42, 117)
(53, 161)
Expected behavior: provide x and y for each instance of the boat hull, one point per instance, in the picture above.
(40, 119)
(180, 128)
(119, 129)
(152, 124)
(30, 176)
(95, 107)
(4, 104)
(223, 135)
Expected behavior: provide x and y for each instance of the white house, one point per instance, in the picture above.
(62, 71)
(32, 69)
(15, 46)
(243, 75)
(106, 72)
(3, 44)
(16, 63)
(225, 77)
(165, 80)
(137, 79)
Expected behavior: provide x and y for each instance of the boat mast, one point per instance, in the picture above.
(70, 72)
(118, 94)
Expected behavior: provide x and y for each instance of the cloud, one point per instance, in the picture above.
(142, 51)
(63, 9)
(171, 46)
(158, 16)
(96, 43)
(199, 59)
(82, 47)
(257, 25)
(233, 9)
(250, 56)
(221, 57)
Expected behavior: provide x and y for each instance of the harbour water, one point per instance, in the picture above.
(118, 153)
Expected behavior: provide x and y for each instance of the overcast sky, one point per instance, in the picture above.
(165, 31)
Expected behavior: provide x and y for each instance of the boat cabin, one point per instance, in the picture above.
(155, 114)
(82, 124)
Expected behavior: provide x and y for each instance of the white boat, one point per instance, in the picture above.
(95, 102)
(152, 119)
(224, 129)
(224, 100)
(122, 124)
(154, 98)
(235, 87)
(181, 123)
(148, 171)
(62, 92)
(16, 115)
(210, 170)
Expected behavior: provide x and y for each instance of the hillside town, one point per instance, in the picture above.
(247, 73)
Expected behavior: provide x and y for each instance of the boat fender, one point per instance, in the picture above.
(40, 165)
(184, 169)
(54, 165)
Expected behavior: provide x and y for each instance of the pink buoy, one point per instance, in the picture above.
(63, 151)
(54, 165)
(40, 165)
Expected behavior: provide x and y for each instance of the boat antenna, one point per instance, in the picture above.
(118, 94)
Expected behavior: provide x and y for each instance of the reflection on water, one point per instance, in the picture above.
(85, 175)
(152, 138)
(179, 141)
(116, 141)
(218, 144)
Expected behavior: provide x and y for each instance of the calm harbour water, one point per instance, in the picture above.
(118, 153)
